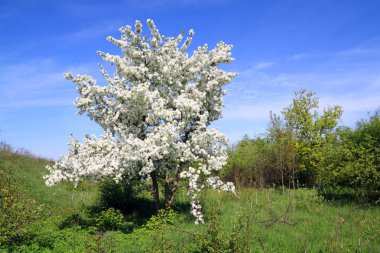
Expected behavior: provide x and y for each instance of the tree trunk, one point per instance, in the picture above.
(171, 189)
(155, 190)
(294, 174)
(282, 180)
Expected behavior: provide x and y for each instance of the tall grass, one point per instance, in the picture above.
(300, 221)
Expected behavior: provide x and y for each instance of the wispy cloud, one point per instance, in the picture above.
(256, 111)
(250, 84)
(100, 31)
(354, 52)
(38, 82)
(353, 103)
(83, 9)
(376, 84)
(263, 65)
(297, 57)
(254, 93)
(37, 102)
(88, 33)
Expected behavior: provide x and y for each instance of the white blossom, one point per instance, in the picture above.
(155, 111)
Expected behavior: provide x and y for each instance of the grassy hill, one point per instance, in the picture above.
(28, 171)
(265, 220)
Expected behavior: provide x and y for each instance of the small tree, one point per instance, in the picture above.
(310, 130)
(284, 143)
(155, 111)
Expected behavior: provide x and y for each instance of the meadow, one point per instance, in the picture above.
(255, 220)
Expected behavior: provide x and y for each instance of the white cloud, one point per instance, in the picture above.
(87, 33)
(353, 52)
(255, 111)
(44, 102)
(297, 57)
(376, 83)
(353, 103)
(254, 93)
(38, 82)
(263, 65)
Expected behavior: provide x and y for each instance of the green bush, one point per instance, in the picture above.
(130, 198)
(251, 163)
(216, 237)
(162, 218)
(116, 195)
(110, 219)
(351, 163)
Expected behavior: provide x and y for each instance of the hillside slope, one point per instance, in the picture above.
(28, 171)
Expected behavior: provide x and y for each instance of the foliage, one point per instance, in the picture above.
(110, 219)
(284, 143)
(216, 238)
(351, 163)
(120, 195)
(155, 111)
(251, 163)
(132, 200)
(311, 130)
(163, 217)
(290, 153)
(16, 210)
(161, 228)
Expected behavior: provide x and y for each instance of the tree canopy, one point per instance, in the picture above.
(155, 111)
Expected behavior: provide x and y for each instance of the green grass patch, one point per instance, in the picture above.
(265, 220)
(28, 172)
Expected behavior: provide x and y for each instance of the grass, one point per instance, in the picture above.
(28, 172)
(299, 221)
(264, 220)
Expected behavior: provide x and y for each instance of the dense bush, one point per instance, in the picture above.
(110, 219)
(131, 199)
(351, 163)
(252, 163)
(120, 196)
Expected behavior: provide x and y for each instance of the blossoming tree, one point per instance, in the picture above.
(155, 111)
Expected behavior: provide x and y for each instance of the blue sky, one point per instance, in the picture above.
(330, 47)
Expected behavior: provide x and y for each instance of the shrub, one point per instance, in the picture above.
(217, 238)
(250, 163)
(162, 218)
(110, 219)
(351, 163)
(120, 196)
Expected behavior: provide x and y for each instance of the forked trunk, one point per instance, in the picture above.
(171, 188)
